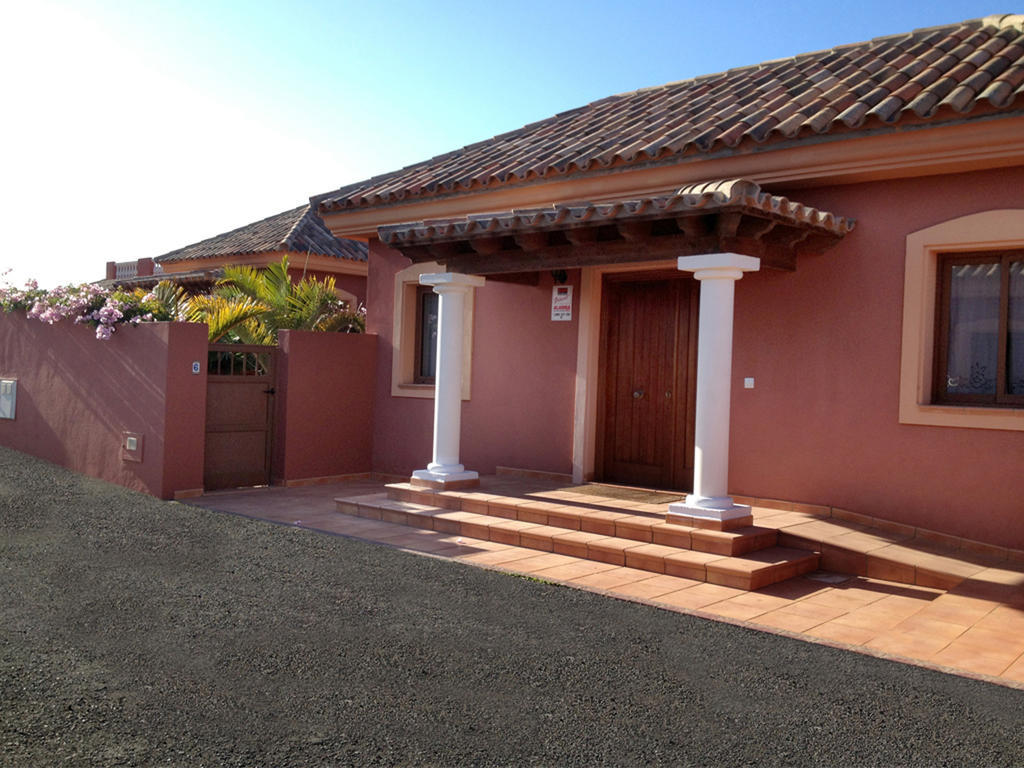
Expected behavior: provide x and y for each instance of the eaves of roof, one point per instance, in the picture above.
(740, 195)
(721, 216)
(199, 278)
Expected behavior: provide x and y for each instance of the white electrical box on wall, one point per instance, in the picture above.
(8, 397)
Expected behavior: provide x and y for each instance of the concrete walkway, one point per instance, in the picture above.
(975, 629)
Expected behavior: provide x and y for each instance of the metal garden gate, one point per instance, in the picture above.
(239, 415)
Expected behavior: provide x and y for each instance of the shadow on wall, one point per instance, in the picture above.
(27, 413)
(77, 395)
(119, 394)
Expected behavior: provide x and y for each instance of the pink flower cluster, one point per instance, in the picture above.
(65, 303)
(86, 303)
(106, 318)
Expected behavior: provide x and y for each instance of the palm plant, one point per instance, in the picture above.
(250, 306)
(230, 320)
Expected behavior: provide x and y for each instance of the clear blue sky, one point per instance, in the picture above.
(134, 128)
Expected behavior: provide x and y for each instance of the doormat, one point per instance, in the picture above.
(623, 493)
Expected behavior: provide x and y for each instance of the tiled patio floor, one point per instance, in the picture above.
(974, 629)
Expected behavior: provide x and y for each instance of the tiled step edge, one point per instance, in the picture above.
(751, 571)
(621, 524)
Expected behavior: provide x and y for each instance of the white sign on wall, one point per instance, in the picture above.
(561, 302)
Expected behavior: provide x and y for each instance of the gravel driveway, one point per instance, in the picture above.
(140, 632)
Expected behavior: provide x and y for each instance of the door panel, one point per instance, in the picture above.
(239, 416)
(646, 390)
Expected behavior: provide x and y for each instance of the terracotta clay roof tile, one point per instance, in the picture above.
(926, 77)
(853, 116)
(923, 104)
(908, 92)
(978, 58)
(821, 120)
(1014, 51)
(299, 230)
(996, 65)
(943, 86)
(887, 109)
(932, 74)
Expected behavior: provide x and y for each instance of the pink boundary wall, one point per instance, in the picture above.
(77, 395)
(325, 405)
(823, 343)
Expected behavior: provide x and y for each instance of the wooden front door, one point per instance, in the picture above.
(647, 391)
(239, 415)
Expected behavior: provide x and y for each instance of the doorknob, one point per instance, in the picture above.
(638, 393)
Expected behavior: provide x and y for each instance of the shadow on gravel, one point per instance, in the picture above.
(138, 632)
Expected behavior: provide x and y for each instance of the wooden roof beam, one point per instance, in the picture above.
(693, 226)
(581, 236)
(443, 251)
(755, 227)
(728, 224)
(486, 246)
(531, 241)
(634, 231)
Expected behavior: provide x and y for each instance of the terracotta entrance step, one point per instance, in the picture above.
(846, 543)
(640, 541)
(639, 522)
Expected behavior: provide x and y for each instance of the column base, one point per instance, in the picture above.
(715, 513)
(442, 480)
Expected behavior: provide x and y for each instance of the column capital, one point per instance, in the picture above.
(712, 266)
(451, 280)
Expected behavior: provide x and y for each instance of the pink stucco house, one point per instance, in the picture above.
(800, 280)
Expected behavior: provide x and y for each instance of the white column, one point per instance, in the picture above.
(710, 501)
(445, 469)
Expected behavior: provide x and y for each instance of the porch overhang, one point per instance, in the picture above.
(732, 215)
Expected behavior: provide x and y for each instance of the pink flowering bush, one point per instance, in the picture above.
(102, 308)
(248, 305)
